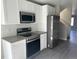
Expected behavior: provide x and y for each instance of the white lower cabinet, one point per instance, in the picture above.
(15, 50)
(19, 50)
(43, 41)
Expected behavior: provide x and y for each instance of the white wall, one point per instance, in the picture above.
(65, 21)
(23, 5)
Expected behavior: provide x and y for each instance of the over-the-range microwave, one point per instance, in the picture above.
(26, 17)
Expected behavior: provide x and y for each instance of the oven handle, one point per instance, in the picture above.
(28, 41)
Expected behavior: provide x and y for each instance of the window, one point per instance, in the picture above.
(72, 21)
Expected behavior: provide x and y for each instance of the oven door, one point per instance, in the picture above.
(33, 46)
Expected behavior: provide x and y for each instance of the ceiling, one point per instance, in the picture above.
(61, 3)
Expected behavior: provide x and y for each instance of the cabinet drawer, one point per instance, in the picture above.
(43, 35)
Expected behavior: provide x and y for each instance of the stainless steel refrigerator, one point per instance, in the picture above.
(52, 30)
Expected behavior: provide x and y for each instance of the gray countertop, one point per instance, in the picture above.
(13, 39)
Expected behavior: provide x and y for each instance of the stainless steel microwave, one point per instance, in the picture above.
(26, 17)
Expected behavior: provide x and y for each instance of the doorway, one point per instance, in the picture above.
(73, 32)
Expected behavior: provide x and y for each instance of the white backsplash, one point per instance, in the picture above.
(10, 30)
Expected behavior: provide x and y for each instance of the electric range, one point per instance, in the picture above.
(32, 42)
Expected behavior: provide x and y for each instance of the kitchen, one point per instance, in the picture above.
(14, 45)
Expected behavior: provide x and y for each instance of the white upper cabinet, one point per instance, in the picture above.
(10, 11)
(46, 10)
(51, 10)
(11, 8)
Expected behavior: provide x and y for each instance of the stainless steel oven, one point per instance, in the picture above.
(32, 41)
(32, 46)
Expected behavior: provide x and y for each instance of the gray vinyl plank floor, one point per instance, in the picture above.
(65, 50)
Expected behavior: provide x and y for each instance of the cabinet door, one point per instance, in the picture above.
(43, 41)
(7, 51)
(19, 50)
(51, 10)
(11, 12)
